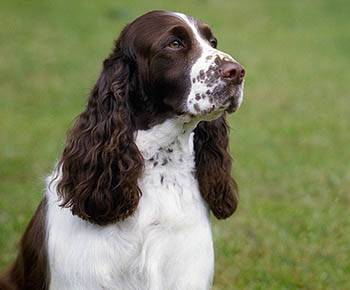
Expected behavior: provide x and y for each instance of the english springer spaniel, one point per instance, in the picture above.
(128, 204)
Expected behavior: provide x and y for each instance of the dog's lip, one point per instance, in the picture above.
(232, 108)
(231, 105)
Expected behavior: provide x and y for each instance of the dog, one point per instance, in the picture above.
(128, 203)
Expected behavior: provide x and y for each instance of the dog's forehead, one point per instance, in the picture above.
(198, 28)
(157, 22)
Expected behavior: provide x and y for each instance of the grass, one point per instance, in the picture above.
(290, 140)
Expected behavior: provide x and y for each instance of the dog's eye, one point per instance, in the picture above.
(176, 44)
(214, 42)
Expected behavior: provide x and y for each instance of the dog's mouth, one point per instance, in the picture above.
(222, 98)
(233, 102)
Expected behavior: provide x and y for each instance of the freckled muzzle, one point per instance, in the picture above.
(233, 74)
(222, 87)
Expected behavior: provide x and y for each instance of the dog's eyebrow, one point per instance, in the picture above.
(205, 31)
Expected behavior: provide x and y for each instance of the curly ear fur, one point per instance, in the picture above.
(100, 164)
(213, 164)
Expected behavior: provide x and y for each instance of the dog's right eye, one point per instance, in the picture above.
(213, 42)
(175, 44)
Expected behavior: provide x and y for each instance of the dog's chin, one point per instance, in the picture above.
(232, 104)
(235, 97)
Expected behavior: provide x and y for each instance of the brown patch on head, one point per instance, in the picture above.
(163, 70)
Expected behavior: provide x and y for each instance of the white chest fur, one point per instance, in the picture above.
(166, 244)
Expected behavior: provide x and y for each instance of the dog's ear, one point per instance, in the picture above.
(213, 164)
(101, 163)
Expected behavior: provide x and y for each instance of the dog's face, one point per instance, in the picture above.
(182, 67)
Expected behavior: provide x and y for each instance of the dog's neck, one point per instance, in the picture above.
(171, 136)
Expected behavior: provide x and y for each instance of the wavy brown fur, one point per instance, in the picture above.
(100, 164)
(214, 164)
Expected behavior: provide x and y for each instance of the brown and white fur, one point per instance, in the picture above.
(128, 204)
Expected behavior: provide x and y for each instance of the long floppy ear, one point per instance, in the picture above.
(213, 164)
(100, 164)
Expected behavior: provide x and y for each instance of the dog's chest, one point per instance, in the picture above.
(168, 237)
(169, 187)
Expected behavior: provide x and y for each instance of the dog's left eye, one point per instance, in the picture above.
(214, 42)
(176, 44)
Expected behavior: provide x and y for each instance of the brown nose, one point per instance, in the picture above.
(233, 72)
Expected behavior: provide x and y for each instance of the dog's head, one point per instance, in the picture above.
(179, 68)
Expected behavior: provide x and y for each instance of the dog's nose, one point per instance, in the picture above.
(233, 72)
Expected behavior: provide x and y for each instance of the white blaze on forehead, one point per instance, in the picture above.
(198, 100)
(204, 44)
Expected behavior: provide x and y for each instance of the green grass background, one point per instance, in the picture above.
(290, 139)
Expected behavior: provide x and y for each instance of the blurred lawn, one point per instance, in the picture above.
(290, 140)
